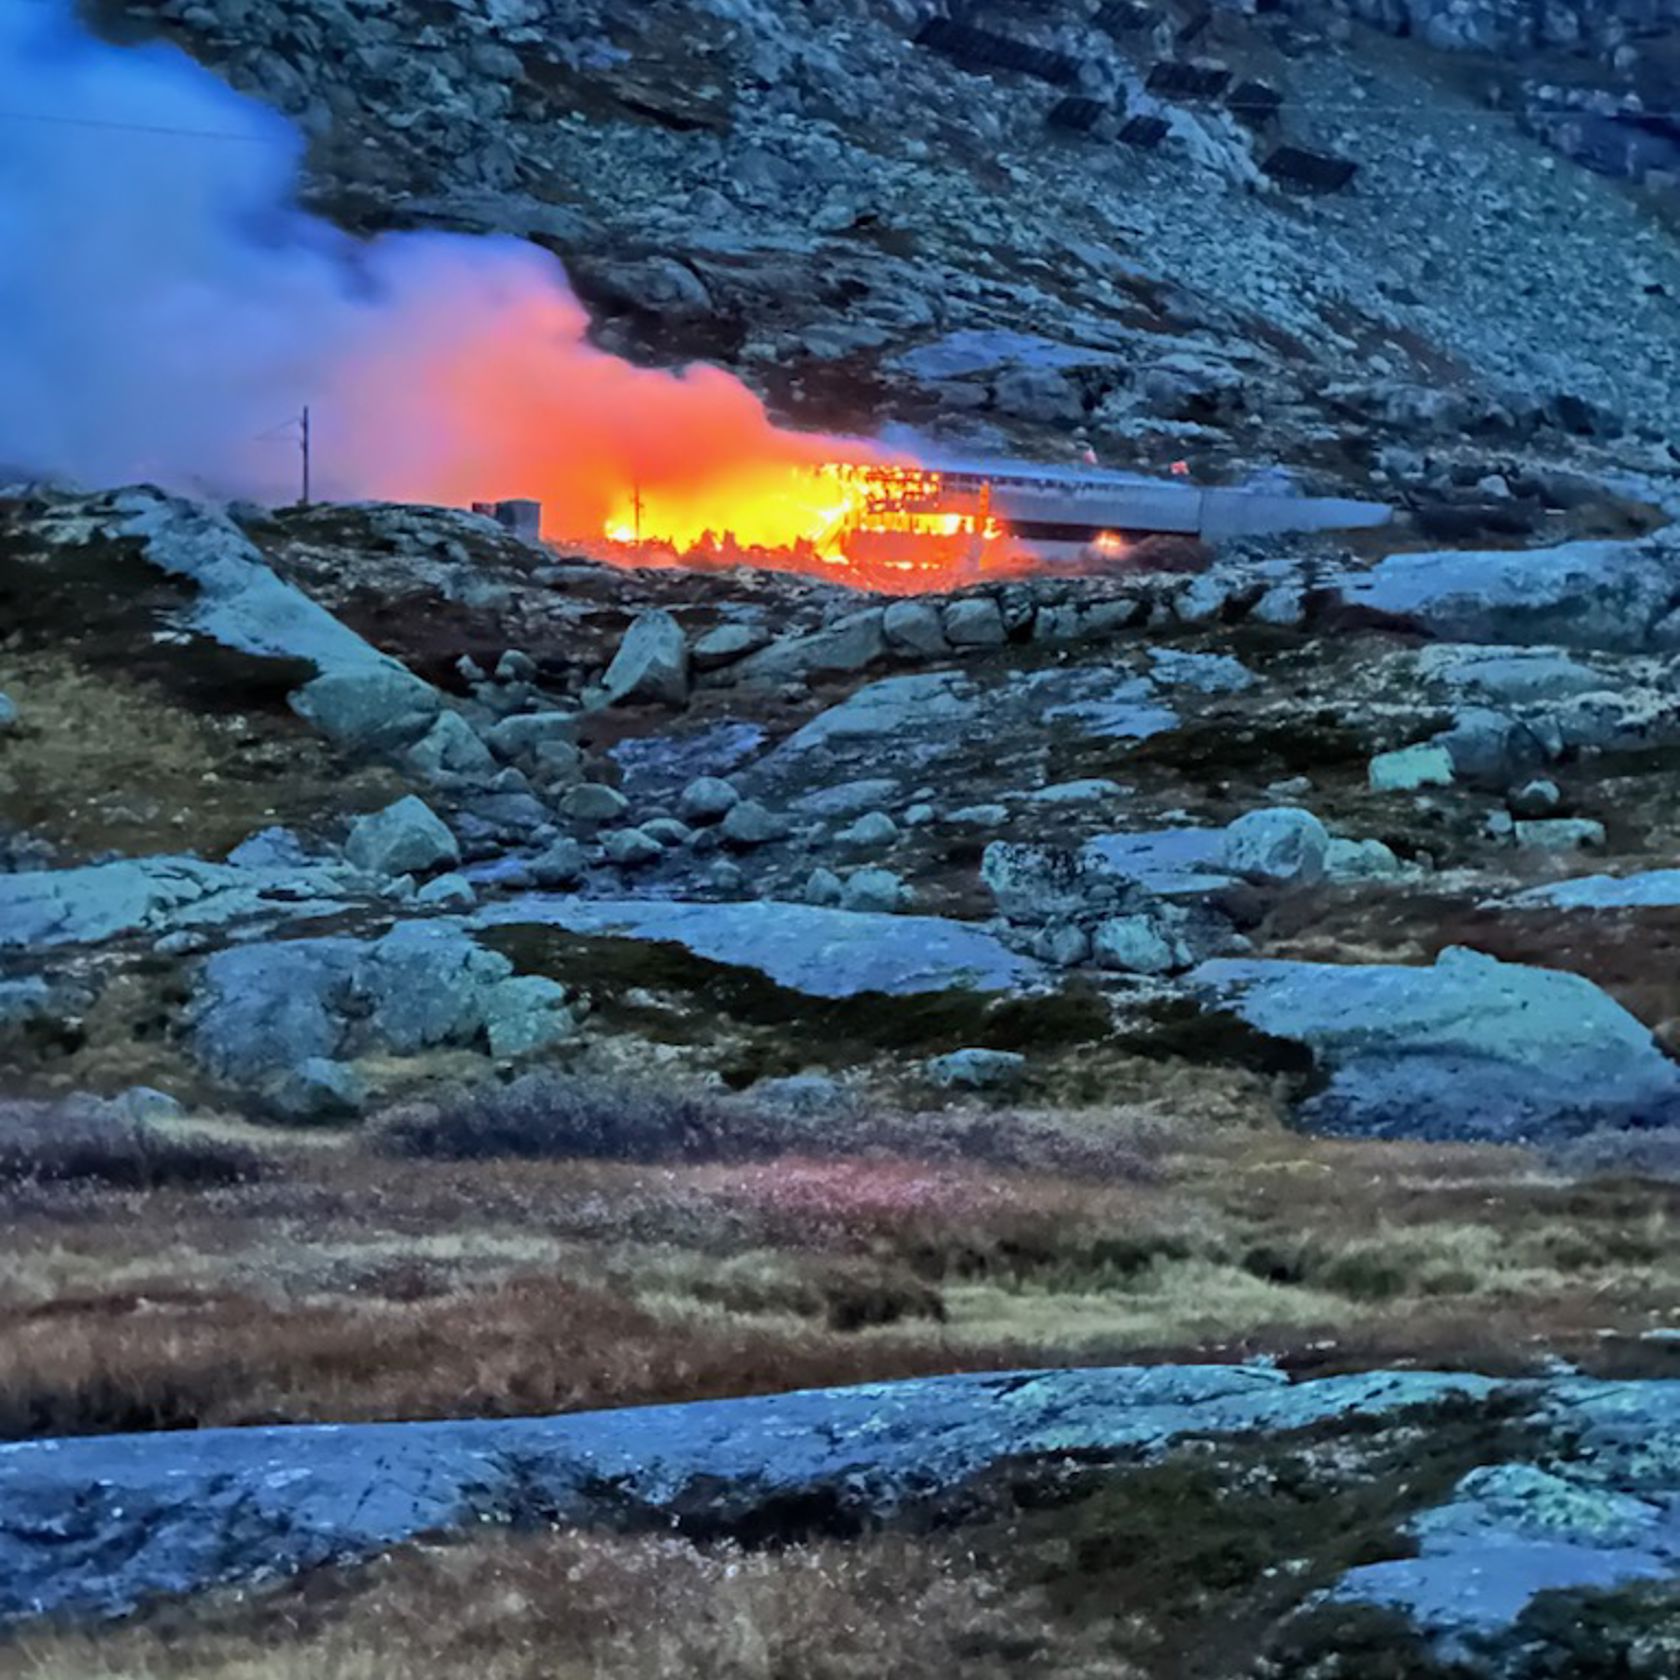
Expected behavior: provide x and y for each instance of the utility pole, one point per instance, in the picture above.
(305, 444)
(636, 495)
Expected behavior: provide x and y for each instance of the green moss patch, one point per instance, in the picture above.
(663, 991)
(1202, 1565)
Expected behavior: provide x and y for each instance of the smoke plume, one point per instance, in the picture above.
(166, 309)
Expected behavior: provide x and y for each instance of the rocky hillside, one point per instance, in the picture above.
(872, 232)
(1137, 1109)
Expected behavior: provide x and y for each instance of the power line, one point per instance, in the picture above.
(59, 121)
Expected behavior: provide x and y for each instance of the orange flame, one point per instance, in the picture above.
(492, 390)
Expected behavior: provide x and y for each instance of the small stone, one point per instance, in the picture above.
(317, 1092)
(977, 1070)
(726, 877)
(1410, 768)
(1092, 790)
(1064, 944)
(1133, 945)
(450, 748)
(516, 740)
(873, 890)
(914, 627)
(1361, 860)
(651, 662)
(557, 764)
(594, 802)
(184, 942)
(727, 643)
(823, 887)
(447, 892)
(516, 667)
(524, 1013)
(751, 824)
(400, 889)
(976, 621)
(561, 865)
(919, 815)
(147, 1106)
(979, 816)
(1536, 799)
(405, 838)
(1561, 834)
(871, 833)
(668, 832)
(707, 799)
(631, 848)
(1291, 787)
(8, 713)
(1285, 606)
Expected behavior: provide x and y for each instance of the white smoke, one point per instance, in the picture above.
(166, 309)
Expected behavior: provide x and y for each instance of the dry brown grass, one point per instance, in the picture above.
(569, 1607)
(348, 1286)
(104, 762)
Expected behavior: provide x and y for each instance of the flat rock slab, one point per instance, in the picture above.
(821, 952)
(1169, 861)
(1469, 1049)
(59, 907)
(912, 722)
(1652, 889)
(99, 1525)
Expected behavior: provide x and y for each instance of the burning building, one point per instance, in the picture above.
(902, 527)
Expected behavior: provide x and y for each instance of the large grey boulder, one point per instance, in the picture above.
(651, 662)
(425, 984)
(707, 799)
(750, 823)
(1137, 944)
(240, 601)
(1508, 676)
(873, 891)
(1407, 769)
(1469, 1048)
(407, 838)
(450, 748)
(593, 803)
(974, 621)
(848, 644)
(1611, 595)
(977, 1069)
(1489, 749)
(522, 738)
(262, 1011)
(1284, 845)
(1039, 884)
(369, 708)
